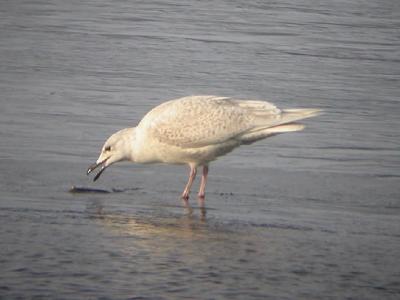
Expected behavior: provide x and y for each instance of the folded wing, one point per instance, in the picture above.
(199, 121)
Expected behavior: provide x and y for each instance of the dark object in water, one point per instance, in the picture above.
(83, 190)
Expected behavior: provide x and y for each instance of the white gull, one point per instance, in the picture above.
(196, 130)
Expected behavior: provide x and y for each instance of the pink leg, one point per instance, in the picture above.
(192, 176)
(202, 190)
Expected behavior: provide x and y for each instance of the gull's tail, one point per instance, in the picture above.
(284, 123)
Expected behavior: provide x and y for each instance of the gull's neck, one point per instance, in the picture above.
(128, 136)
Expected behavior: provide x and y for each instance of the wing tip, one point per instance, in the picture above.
(304, 112)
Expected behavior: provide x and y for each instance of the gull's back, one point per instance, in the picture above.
(199, 121)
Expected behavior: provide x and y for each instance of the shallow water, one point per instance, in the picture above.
(310, 215)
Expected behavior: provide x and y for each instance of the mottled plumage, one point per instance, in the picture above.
(204, 120)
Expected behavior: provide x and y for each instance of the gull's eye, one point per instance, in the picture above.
(108, 148)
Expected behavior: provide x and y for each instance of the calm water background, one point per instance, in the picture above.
(310, 215)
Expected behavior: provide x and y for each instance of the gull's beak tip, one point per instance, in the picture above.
(91, 168)
(96, 165)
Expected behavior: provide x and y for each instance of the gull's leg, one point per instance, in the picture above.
(202, 190)
(192, 176)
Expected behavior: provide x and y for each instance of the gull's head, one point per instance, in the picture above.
(118, 147)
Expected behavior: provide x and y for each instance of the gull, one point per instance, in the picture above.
(196, 130)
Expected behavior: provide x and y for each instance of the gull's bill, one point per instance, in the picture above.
(95, 166)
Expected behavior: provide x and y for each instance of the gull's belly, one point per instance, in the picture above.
(198, 156)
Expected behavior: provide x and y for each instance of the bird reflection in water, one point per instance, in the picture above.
(202, 208)
(190, 224)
